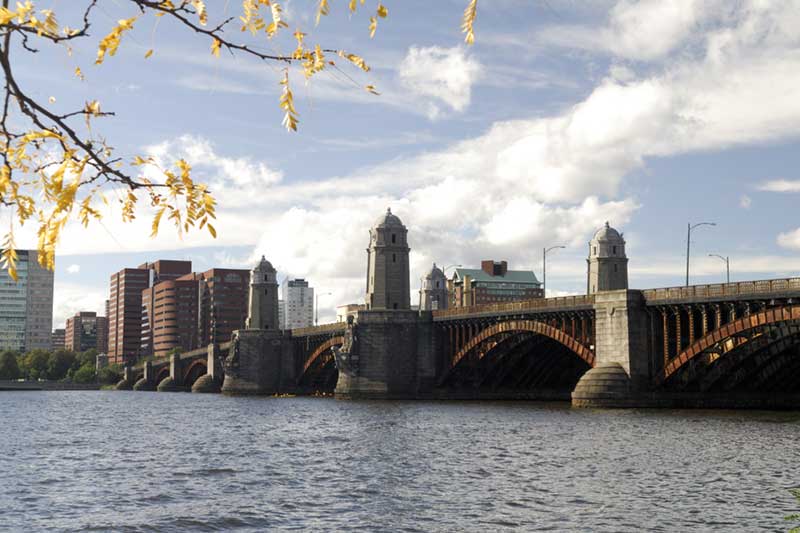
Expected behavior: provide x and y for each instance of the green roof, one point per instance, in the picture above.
(512, 276)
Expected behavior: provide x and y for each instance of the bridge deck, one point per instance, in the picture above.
(536, 305)
(719, 292)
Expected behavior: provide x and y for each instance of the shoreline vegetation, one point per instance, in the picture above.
(56, 369)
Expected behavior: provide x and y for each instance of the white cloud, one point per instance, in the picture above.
(780, 186)
(790, 240)
(639, 30)
(73, 269)
(70, 298)
(442, 76)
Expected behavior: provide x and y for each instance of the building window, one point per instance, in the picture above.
(594, 250)
(615, 268)
(266, 291)
(394, 258)
(266, 278)
(614, 250)
(394, 305)
(394, 238)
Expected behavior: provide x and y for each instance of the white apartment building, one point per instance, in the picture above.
(297, 304)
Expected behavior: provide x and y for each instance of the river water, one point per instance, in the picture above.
(137, 461)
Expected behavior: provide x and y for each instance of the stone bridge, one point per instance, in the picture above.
(724, 345)
(719, 345)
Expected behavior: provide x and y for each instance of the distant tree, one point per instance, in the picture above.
(110, 374)
(55, 166)
(85, 374)
(35, 365)
(59, 364)
(89, 357)
(9, 368)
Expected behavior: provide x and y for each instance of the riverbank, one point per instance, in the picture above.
(13, 385)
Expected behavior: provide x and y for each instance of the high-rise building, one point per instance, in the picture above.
(86, 331)
(26, 305)
(173, 315)
(222, 301)
(125, 305)
(281, 314)
(298, 304)
(492, 283)
(59, 338)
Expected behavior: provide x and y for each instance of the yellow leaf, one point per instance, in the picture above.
(373, 25)
(215, 47)
(148, 54)
(110, 43)
(200, 6)
(322, 9)
(211, 230)
(382, 11)
(469, 21)
(79, 73)
(371, 89)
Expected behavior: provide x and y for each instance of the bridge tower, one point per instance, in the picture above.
(433, 293)
(607, 262)
(387, 265)
(263, 307)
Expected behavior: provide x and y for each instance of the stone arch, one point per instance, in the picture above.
(320, 350)
(193, 372)
(737, 327)
(160, 373)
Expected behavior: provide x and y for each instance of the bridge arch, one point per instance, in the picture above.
(160, 373)
(193, 372)
(722, 342)
(319, 369)
(512, 334)
(532, 326)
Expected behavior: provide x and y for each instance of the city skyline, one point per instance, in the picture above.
(611, 123)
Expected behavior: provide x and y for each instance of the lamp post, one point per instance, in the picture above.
(727, 266)
(316, 306)
(544, 267)
(690, 227)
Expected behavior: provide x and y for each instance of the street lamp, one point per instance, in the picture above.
(316, 305)
(727, 265)
(544, 267)
(690, 227)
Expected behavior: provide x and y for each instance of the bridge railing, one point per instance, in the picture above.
(721, 290)
(521, 306)
(333, 327)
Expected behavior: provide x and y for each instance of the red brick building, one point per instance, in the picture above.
(172, 317)
(492, 283)
(222, 299)
(125, 305)
(85, 331)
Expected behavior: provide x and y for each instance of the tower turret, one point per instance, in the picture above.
(433, 292)
(387, 264)
(607, 262)
(263, 307)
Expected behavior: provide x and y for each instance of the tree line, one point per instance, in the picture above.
(57, 365)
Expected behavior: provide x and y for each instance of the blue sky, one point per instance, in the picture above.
(563, 115)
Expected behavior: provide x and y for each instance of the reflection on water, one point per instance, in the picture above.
(135, 461)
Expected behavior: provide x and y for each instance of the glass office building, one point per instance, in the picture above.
(26, 305)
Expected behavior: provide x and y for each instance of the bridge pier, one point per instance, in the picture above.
(172, 383)
(147, 382)
(622, 363)
(212, 380)
(127, 381)
(260, 362)
(387, 354)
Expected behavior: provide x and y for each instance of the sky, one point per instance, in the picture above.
(563, 115)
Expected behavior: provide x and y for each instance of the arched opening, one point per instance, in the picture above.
(519, 359)
(319, 373)
(196, 369)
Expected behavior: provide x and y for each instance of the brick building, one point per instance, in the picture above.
(222, 300)
(125, 305)
(86, 331)
(492, 283)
